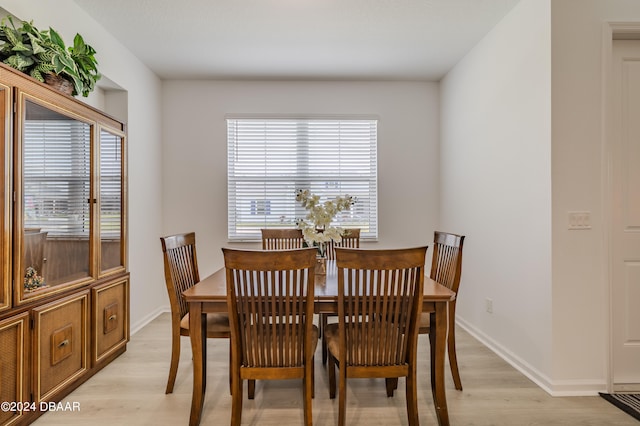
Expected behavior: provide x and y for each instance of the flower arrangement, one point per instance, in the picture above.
(316, 226)
(32, 280)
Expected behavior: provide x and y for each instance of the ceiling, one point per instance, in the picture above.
(299, 39)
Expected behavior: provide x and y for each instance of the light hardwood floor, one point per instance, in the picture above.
(130, 391)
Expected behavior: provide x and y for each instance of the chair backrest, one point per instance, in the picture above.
(270, 297)
(446, 263)
(350, 239)
(282, 239)
(180, 268)
(379, 301)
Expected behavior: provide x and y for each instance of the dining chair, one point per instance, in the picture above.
(446, 268)
(270, 295)
(379, 303)
(181, 273)
(350, 239)
(282, 239)
(278, 239)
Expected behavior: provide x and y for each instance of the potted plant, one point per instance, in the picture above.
(44, 56)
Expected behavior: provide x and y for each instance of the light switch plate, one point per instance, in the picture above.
(579, 220)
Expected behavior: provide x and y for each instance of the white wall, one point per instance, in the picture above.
(495, 164)
(520, 109)
(141, 109)
(580, 284)
(194, 143)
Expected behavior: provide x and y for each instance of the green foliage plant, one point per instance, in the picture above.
(37, 53)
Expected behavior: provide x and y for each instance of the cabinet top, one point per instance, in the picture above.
(13, 78)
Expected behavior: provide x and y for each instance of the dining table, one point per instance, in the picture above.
(210, 295)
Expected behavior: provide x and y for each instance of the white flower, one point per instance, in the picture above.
(316, 227)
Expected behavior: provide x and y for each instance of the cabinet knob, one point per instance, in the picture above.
(64, 343)
(112, 317)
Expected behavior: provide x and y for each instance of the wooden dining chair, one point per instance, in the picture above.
(270, 295)
(181, 273)
(350, 239)
(278, 239)
(282, 239)
(379, 303)
(446, 268)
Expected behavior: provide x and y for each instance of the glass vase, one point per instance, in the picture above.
(321, 265)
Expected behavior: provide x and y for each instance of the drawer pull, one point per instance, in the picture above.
(110, 322)
(61, 344)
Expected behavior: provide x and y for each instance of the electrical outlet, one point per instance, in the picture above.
(488, 304)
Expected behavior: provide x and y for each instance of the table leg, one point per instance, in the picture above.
(197, 333)
(438, 340)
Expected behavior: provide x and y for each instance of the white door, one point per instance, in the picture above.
(625, 174)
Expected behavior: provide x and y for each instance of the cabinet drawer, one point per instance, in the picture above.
(13, 353)
(110, 318)
(60, 344)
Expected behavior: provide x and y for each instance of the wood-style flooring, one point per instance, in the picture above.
(130, 391)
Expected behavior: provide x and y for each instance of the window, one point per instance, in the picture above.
(270, 159)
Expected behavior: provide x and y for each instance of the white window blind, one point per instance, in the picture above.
(270, 159)
(110, 185)
(56, 176)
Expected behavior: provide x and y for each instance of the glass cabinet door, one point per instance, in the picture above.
(56, 198)
(111, 196)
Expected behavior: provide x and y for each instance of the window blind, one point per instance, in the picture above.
(56, 176)
(270, 159)
(110, 185)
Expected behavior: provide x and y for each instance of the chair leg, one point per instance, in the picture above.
(236, 401)
(392, 385)
(175, 358)
(323, 324)
(313, 377)
(453, 363)
(251, 384)
(230, 371)
(251, 388)
(308, 394)
(332, 377)
(342, 396)
(451, 349)
(412, 398)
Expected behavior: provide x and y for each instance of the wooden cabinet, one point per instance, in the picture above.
(64, 299)
(69, 191)
(13, 359)
(110, 318)
(60, 344)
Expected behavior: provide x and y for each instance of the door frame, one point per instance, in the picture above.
(611, 31)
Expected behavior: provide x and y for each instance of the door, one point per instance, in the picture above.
(625, 216)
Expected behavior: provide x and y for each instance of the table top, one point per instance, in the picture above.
(214, 288)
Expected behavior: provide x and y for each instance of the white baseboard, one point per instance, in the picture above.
(585, 387)
(138, 325)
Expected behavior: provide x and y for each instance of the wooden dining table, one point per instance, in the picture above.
(210, 295)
